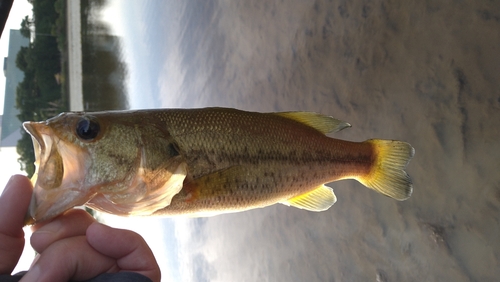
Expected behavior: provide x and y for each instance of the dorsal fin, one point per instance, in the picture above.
(322, 123)
(319, 199)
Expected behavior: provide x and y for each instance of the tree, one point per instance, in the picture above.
(38, 95)
(26, 153)
(26, 25)
(23, 59)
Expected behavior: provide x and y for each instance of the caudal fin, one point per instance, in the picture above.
(387, 175)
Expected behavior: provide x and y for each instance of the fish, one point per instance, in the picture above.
(203, 162)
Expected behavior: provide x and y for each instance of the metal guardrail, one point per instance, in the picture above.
(74, 56)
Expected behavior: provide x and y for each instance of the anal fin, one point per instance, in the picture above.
(319, 199)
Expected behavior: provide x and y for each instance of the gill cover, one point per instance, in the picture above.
(110, 163)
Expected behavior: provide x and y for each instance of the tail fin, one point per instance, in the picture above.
(387, 175)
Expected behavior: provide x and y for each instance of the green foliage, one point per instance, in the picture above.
(44, 15)
(23, 59)
(38, 96)
(26, 27)
(26, 154)
(60, 28)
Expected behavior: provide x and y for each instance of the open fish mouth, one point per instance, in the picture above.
(48, 161)
(59, 171)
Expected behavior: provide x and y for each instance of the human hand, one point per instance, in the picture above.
(71, 246)
(74, 246)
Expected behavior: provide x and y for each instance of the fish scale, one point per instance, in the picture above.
(202, 162)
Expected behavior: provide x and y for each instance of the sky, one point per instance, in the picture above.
(148, 51)
(8, 156)
(20, 9)
(115, 15)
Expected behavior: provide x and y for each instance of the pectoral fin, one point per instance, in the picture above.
(319, 199)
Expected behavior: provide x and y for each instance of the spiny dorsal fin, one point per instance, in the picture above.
(324, 124)
(319, 199)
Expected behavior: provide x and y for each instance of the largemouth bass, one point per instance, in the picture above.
(202, 162)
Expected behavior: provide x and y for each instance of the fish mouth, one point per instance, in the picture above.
(59, 173)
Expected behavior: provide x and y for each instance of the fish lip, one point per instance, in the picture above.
(35, 129)
(47, 145)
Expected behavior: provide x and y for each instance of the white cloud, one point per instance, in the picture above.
(171, 81)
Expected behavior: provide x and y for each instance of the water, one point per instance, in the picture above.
(426, 73)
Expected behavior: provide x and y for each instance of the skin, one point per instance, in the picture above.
(94, 248)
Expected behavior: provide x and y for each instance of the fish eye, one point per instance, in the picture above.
(87, 128)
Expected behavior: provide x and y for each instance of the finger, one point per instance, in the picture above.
(69, 259)
(72, 223)
(128, 248)
(14, 204)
